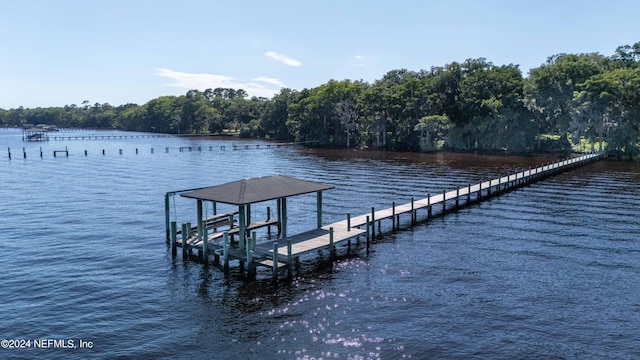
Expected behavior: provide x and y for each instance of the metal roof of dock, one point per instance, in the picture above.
(254, 190)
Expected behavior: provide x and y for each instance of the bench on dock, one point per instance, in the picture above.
(194, 241)
(215, 221)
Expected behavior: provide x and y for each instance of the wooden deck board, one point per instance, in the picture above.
(269, 263)
(308, 241)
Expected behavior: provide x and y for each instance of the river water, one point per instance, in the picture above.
(551, 270)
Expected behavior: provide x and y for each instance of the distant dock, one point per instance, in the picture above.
(214, 236)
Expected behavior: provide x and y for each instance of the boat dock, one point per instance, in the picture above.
(215, 236)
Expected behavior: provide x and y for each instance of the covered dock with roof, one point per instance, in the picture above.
(243, 194)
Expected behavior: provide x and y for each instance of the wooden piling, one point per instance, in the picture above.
(368, 235)
(268, 219)
(413, 212)
(348, 221)
(185, 236)
(289, 260)
(331, 246)
(428, 206)
(174, 236)
(373, 223)
(393, 216)
(444, 202)
(167, 215)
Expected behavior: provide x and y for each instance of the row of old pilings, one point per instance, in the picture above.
(167, 149)
(55, 152)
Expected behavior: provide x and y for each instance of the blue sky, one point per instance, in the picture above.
(62, 52)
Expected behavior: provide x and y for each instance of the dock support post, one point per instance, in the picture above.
(242, 225)
(185, 236)
(489, 189)
(331, 247)
(250, 246)
(367, 231)
(319, 208)
(284, 217)
(225, 251)
(215, 212)
(275, 262)
(373, 223)
(393, 216)
(413, 212)
(348, 221)
(174, 236)
(428, 205)
(444, 202)
(268, 219)
(200, 222)
(469, 194)
(167, 214)
(289, 261)
(279, 214)
(458, 197)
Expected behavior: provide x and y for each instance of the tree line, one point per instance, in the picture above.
(469, 106)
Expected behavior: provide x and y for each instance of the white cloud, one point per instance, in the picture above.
(269, 80)
(205, 81)
(283, 58)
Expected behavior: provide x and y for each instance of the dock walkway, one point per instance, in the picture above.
(483, 189)
(279, 253)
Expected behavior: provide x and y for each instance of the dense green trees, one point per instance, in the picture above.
(470, 106)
